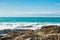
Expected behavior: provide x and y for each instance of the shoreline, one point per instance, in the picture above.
(31, 34)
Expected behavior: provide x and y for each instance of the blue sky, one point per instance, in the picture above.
(29, 8)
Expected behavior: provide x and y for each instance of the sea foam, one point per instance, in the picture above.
(22, 25)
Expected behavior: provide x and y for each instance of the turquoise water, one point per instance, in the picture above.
(22, 22)
(29, 19)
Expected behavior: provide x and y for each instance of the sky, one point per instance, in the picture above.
(29, 8)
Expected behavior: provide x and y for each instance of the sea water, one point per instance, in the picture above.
(22, 22)
(29, 19)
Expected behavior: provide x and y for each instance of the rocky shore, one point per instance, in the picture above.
(51, 32)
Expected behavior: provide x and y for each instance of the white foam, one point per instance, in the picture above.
(22, 25)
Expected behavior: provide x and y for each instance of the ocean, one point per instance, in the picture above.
(22, 22)
(29, 19)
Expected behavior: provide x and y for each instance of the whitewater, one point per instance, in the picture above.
(24, 25)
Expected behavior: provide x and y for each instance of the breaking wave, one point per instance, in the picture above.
(24, 25)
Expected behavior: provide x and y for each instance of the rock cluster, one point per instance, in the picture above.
(51, 32)
(50, 29)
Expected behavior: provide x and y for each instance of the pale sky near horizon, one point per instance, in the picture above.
(29, 8)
